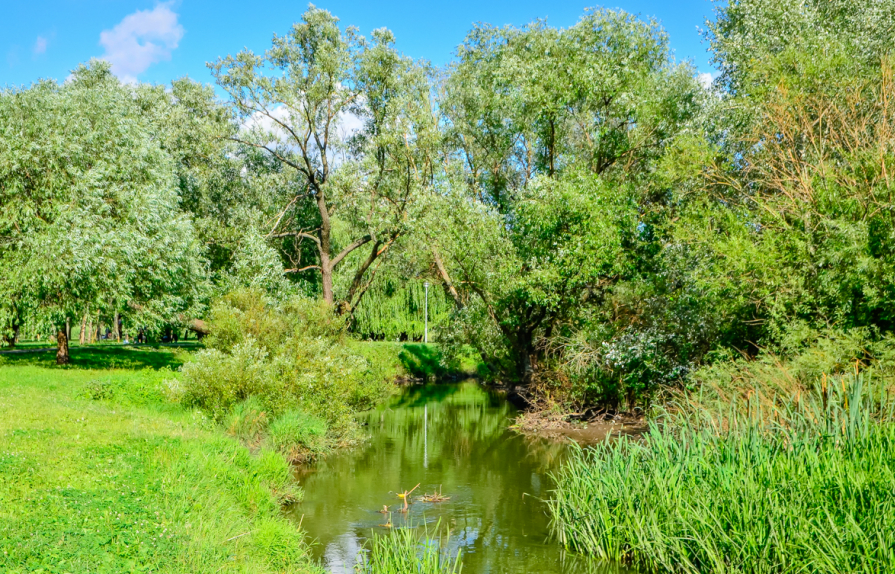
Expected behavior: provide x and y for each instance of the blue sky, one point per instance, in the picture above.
(153, 41)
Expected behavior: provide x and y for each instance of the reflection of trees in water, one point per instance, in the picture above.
(481, 465)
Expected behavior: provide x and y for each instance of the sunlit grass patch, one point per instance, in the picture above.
(121, 485)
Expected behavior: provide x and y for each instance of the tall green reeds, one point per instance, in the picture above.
(404, 551)
(804, 483)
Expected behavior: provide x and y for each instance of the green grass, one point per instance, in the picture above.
(298, 435)
(802, 483)
(419, 360)
(99, 474)
(407, 551)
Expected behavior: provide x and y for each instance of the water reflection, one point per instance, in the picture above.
(452, 439)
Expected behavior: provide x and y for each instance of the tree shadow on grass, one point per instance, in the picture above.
(422, 361)
(99, 357)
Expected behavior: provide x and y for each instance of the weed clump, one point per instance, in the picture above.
(404, 551)
(298, 435)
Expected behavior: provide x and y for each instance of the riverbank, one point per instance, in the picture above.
(769, 478)
(101, 474)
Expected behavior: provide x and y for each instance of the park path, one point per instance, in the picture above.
(14, 351)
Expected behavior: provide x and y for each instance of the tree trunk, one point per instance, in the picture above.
(449, 285)
(62, 357)
(326, 275)
(13, 339)
(83, 332)
(325, 247)
(67, 330)
(117, 328)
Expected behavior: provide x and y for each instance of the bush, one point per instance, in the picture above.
(298, 435)
(215, 380)
(286, 356)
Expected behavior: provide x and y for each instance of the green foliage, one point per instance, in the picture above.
(767, 483)
(217, 381)
(298, 435)
(562, 184)
(90, 219)
(285, 356)
(394, 309)
(340, 194)
(406, 551)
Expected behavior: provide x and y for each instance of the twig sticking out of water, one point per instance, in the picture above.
(406, 496)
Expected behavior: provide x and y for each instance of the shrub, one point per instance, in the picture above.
(215, 380)
(298, 435)
(286, 356)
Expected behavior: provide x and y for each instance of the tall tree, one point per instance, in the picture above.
(89, 209)
(350, 120)
(557, 134)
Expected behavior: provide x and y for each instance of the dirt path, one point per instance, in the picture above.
(15, 351)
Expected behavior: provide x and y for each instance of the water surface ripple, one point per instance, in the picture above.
(451, 438)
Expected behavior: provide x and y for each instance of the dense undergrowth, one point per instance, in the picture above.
(282, 375)
(761, 469)
(288, 375)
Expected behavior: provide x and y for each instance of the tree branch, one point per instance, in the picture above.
(354, 245)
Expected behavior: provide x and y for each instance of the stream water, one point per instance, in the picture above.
(450, 438)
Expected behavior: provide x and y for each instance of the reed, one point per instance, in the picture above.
(404, 551)
(801, 483)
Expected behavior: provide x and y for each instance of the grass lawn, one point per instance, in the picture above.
(423, 360)
(99, 473)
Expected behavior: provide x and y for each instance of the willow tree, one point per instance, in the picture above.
(89, 210)
(350, 120)
(555, 136)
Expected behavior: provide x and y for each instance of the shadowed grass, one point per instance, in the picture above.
(797, 484)
(106, 356)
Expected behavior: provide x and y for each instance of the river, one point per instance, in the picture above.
(450, 438)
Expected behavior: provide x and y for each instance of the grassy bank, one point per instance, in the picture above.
(100, 474)
(419, 360)
(798, 482)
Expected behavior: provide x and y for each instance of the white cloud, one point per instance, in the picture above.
(40, 45)
(12, 57)
(140, 40)
(706, 79)
(347, 124)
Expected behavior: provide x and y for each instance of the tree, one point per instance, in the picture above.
(89, 209)
(558, 135)
(348, 188)
(796, 229)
